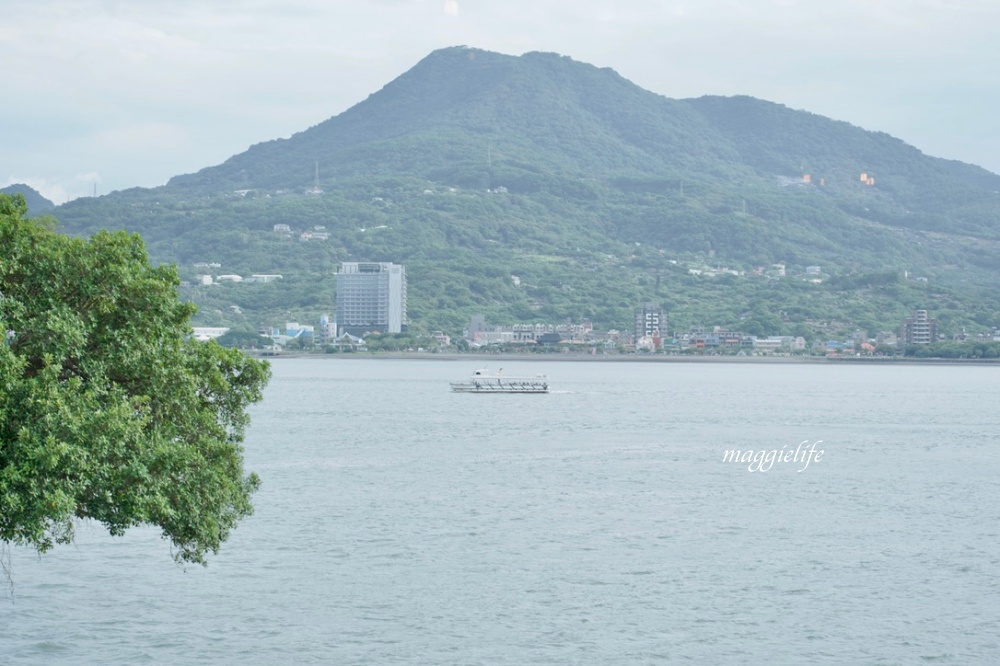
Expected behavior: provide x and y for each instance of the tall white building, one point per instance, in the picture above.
(371, 297)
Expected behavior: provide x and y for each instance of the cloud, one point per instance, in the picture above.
(150, 138)
(139, 91)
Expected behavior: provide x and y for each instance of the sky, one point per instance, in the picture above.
(105, 95)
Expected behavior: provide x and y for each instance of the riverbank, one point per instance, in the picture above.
(482, 359)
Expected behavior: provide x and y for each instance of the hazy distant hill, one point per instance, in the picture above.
(475, 166)
(468, 117)
(37, 204)
(477, 119)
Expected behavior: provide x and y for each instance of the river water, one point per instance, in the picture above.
(399, 523)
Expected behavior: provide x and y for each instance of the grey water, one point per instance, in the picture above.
(400, 523)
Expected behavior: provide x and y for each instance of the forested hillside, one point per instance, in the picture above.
(537, 188)
(37, 204)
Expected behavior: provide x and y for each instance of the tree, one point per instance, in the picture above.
(243, 337)
(109, 410)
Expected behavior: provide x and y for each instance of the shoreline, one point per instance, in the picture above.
(632, 358)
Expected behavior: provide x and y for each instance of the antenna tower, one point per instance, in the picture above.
(315, 189)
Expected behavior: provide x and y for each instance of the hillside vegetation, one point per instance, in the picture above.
(37, 204)
(474, 167)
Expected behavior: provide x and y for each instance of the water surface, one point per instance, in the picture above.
(399, 523)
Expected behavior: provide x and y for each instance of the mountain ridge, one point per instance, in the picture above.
(434, 69)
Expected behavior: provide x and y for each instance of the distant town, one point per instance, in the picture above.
(371, 315)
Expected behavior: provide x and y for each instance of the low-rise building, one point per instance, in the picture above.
(206, 333)
(262, 278)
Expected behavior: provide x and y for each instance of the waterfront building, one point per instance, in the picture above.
(204, 333)
(919, 329)
(371, 297)
(649, 321)
(477, 324)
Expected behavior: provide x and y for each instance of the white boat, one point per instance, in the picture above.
(484, 382)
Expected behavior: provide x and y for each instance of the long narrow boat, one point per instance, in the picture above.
(484, 382)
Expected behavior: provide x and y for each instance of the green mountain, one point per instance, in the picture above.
(474, 167)
(37, 204)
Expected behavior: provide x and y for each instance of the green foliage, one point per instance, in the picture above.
(108, 410)
(375, 342)
(969, 350)
(243, 337)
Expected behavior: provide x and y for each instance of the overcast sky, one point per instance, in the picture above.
(124, 93)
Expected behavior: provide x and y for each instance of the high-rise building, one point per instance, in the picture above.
(371, 297)
(649, 321)
(477, 324)
(918, 329)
